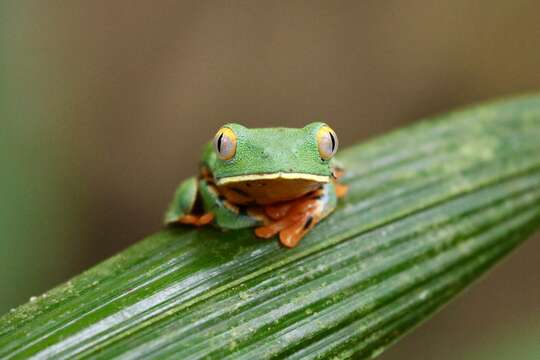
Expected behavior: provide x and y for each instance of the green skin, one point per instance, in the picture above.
(289, 151)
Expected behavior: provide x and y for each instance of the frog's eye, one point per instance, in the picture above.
(327, 141)
(225, 143)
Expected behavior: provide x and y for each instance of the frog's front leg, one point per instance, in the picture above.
(226, 214)
(181, 209)
(294, 219)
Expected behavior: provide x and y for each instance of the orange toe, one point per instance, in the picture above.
(265, 232)
(205, 219)
(291, 236)
(188, 219)
(268, 231)
(196, 220)
(341, 190)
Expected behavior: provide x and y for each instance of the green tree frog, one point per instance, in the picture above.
(278, 180)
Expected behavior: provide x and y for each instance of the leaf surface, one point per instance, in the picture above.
(430, 208)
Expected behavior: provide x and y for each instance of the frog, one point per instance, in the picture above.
(280, 181)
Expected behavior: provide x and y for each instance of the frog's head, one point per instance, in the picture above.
(278, 159)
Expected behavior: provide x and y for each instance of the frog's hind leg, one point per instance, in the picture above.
(183, 207)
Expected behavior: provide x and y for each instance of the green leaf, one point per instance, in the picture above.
(430, 208)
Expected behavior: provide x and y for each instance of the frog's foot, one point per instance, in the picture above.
(338, 172)
(295, 220)
(277, 212)
(341, 190)
(197, 220)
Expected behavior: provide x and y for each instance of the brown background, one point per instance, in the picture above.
(107, 104)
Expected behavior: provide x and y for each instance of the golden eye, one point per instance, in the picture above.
(327, 141)
(225, 143)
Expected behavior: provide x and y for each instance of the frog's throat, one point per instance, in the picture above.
(272, 176)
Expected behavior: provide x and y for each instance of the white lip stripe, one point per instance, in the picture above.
(279, 175)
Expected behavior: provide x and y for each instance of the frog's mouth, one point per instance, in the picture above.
(279, 175)
(269, 188)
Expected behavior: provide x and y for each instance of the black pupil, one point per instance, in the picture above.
(220, 139)
(333, 141)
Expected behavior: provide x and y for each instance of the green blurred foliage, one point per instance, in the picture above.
(36, 222)
(105, 105)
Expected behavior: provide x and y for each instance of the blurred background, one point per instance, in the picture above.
(104, 107)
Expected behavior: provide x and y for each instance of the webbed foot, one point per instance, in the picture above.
(197, 220)
(341, 190)
(293, 220)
